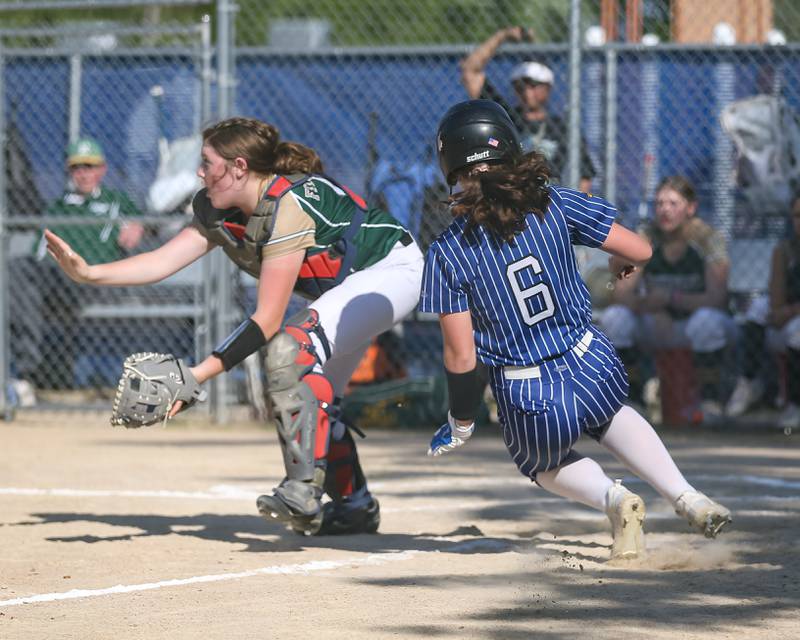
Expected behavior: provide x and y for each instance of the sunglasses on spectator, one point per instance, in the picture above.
(75, 167)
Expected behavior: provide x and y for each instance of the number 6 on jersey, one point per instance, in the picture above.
(521, 295)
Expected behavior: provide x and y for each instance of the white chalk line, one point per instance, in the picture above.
(215, 493)
(287, 569)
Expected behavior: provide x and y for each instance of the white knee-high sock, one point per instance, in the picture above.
(578, 478)
(635, 444)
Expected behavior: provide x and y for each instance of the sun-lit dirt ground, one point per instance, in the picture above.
(107, 533)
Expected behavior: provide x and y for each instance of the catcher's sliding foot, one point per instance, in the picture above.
(356, 514)
(705, 515)
(626, 512)
(291, 499)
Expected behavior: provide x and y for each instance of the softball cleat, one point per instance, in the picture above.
(290, 499)
(351, 515)
(626, 512)
(703, 513)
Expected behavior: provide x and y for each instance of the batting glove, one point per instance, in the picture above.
(449, 436)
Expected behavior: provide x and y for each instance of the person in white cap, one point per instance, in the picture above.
(532, 81)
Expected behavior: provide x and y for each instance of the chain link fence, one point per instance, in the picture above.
(643, 86)
(140, 94)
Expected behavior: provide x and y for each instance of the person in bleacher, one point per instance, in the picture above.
(777, 330)
(680, 299)
(44, 328)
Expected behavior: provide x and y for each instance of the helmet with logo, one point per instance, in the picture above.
(472, 132)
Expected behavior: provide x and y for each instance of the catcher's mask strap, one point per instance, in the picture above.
(246, 339)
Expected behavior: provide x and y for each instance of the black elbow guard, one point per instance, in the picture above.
(248, 338)
(465, 391)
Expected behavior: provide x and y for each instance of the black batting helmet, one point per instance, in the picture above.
(472, 132)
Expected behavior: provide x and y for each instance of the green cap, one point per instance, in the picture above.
(85, 151)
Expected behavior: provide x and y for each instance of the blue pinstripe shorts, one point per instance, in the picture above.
(544, 410)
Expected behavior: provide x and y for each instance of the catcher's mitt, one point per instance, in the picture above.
(150, 385)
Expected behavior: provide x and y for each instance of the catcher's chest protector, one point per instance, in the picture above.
(322, 269)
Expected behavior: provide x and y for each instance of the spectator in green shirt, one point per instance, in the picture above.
(50, 335)
(117, 233)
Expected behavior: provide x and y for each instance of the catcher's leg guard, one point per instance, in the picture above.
(344, 476)
(352, 509)
(301, 398)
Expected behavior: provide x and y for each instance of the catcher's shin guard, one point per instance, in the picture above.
(352, 508)
(344, 476)
(302, 399)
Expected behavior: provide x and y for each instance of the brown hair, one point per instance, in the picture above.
(259, 143)
(499, 198)
(679, 184)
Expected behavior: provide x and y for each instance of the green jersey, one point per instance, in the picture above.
(332, 209)
(95, 242)
(309, 213)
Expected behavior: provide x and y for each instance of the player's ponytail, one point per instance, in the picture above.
(293, 157)
(259, 143)
(498, 197)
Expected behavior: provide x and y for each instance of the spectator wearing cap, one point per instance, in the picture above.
(532, 82)
(116, 231)
(52, 335)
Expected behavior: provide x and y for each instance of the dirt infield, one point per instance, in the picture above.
(107, 533)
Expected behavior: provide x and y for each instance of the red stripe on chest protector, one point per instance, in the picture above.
(237, 230)
(320, 265)
(278, 187)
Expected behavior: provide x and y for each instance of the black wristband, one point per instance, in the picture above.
(248, 338)
(465, 394)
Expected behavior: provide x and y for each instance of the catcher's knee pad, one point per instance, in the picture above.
(301, 397)
(344, 476)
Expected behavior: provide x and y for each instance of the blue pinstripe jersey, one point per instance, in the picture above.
(527, 299)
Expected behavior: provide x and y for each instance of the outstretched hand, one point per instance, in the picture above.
(70, 262)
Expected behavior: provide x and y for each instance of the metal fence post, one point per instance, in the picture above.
(725, 79)
(651, 111)
(610, 170)
(204, 322)
(224, 271)
(6, 410)
(75, 75)
(206, 70)
(574, 126)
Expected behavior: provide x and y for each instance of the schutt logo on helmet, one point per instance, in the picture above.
(478, 156)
